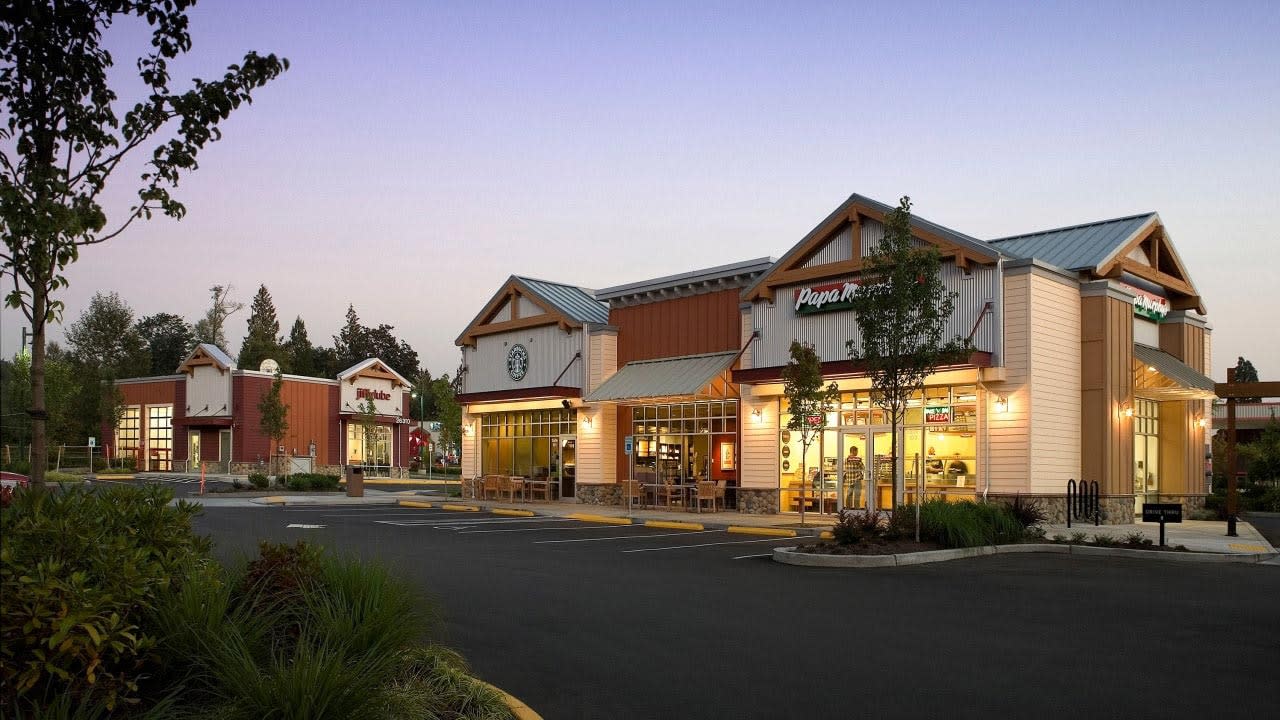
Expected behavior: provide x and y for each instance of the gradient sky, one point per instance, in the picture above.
(417, 153)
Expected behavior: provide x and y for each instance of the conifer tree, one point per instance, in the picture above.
(263, 338)
(299, 354)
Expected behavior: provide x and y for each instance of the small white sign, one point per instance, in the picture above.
(93, 442)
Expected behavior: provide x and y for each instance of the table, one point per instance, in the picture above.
(539, 484)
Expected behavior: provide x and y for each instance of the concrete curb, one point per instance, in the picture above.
(406, 482)
(603, 519)
(673, 525)
(513, 703)
(460, 508)
(415, 504)
(765, 531)
(512, 513)
(789, 556)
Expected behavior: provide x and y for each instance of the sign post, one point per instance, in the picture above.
(1161, 513)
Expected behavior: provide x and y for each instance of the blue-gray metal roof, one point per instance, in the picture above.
(216, 353)
(954, 236)
(575, 302)
(685, 376)
(1078, 247)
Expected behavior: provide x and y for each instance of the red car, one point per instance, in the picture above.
(11, 479)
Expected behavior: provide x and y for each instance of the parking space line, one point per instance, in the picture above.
(495, 521)
(779, 541)
(622, 537)
(745, 557)
(546, 529)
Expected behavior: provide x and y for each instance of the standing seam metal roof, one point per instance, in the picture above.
(1078, 247)
(575, 302)
(217, 354)
(666, 377)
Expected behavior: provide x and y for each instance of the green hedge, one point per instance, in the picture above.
(313, 481)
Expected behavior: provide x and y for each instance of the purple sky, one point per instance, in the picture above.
(417, 154)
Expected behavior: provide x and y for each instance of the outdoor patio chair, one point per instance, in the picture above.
(633, 491)
(490, 485)
(506, 485)
(706, 494)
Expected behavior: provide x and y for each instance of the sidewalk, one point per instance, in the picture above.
(1197, 535)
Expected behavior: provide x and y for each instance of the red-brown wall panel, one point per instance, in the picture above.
(309, 417)
(160, 392)
(246, 392)
(680, 326)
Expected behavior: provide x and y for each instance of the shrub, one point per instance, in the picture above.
(116, 471)
(299, 482)
(62, 477)
(854, 526)
(1027, 511)
(313, 481)
(79, 573)
(1137, 540)
(258, 480)
(1078, 537)
(967, 524)
(22, 467)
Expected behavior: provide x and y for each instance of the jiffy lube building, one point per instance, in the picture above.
(1090, 347)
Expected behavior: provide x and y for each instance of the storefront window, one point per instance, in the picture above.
(370, 449)
(525, 443)
(129, 432)
(937, 440)
(685, 442)
(160, 437)
(1146, 451)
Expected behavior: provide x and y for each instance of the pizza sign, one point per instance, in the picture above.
(937, 415)
(825, 298)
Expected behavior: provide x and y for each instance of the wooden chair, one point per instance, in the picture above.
(539, 486)
(670, 493)
(505, 485)
(489, 485)
(707, 494)
(720, 486)
(633, 491)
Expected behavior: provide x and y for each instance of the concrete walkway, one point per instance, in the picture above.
(1196, 535)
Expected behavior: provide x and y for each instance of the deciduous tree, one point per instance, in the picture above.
(105, 338)
(212, 327)
(169, 338)
(808, 401)
(902, 311)
(62, 140)
(274, 421)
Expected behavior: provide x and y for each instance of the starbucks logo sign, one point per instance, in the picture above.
(517, 362)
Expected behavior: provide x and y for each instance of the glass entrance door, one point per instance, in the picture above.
(193, 451)
(885, 494)
(568, 464)
(853, 470)
(224, 450)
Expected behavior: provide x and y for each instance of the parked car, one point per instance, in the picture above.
(12, 480)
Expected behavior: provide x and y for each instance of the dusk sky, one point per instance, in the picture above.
(416, 154)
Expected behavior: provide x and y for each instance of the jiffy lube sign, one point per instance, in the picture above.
(825, 298)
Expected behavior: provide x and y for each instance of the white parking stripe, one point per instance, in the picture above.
(744, 557)
(731, 542)
(624, 537)
(551, 529)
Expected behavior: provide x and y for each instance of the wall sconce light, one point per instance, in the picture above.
(1202, 423)
(1126, 409)
(1002, 404)
(467, 430)
(586, 422)
(757, 415)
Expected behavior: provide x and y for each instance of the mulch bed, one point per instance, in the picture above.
(879, 547)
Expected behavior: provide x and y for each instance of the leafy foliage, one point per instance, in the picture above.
(212, 327)
(80, 572)
(274, 421)
(299, 354)
(854, 526)
(808, 401)
(105, 338)
(1246, 373)
(356, 342)
(259, 480)
(902, 309)
(1027, 512)
(313, 481)
(169, 338)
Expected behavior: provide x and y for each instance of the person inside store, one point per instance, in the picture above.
(853, 472)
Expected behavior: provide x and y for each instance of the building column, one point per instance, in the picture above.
(1184, 335)
(1106, 390)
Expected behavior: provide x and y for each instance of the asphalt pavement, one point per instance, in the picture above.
(592, 621)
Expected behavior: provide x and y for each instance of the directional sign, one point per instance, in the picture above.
(628, 443)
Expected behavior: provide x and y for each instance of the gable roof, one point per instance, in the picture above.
(568, 306)
(373, 367)
(206, 354)
(1076, 247)
(575, 302)
(787, 269)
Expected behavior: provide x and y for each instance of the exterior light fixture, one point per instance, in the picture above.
(1152, 368)
(1002, 404)
(586, 422)
(757, 415)
(1203, 423)
(1127, 410)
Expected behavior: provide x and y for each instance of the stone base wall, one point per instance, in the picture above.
(607, 494)
(1115, 509)
(757, 502)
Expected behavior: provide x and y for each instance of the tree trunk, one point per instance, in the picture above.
(38, 413)
(803, 479)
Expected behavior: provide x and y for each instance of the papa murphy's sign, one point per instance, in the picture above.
(826, 298)
(1151, 307)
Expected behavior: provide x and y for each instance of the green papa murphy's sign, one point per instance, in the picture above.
(825, 298)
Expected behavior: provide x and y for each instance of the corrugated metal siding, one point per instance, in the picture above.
(208, 392)
(872, 234)
(680, 326)
(837, 249)
(827, 332)
(528, 308)
(1074, 248)
(550, 350)
(503, 313)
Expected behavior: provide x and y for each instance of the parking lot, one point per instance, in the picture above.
(588, 620)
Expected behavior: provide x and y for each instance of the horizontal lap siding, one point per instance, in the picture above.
(1009, 432)
(1055, 384)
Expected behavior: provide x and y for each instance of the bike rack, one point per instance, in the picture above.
(1082, 501)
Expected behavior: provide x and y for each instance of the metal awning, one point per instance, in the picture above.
(1161, 376)
(696, 376)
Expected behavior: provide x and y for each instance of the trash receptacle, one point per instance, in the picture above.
(355, 481)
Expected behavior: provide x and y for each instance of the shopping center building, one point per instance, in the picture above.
(1090, 347)
(207, 414)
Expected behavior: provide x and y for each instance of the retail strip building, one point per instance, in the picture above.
(1090, 350)
(207, 414)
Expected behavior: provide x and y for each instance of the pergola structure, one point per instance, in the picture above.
(1233, 391)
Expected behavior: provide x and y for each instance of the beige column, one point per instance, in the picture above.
(1184, 335)
(1106, 387)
